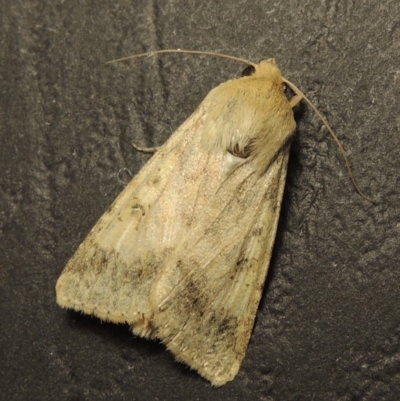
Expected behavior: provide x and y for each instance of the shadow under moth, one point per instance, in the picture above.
(183, 252)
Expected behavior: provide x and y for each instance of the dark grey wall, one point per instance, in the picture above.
(328, 325)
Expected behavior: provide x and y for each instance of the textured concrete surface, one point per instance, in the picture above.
(328, 325)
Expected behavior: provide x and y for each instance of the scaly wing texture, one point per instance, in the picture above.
(111, 273)
(208, 292)
(183, 252)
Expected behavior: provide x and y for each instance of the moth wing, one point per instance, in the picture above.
(182, 254)
(208, 296)
(111, 273)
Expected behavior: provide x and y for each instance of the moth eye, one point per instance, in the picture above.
(249, 70)
(287, 91)
(243, 154)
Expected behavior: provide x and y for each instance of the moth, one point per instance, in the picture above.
(183, 252)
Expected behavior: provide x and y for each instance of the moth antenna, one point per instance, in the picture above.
(213, 54)
(334, 136)
(290, 84)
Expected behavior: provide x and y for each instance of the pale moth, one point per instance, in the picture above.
(183, 252)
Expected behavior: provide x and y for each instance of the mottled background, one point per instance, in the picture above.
(328, 325)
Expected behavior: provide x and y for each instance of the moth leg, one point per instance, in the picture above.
(145, 150)
(294, 100)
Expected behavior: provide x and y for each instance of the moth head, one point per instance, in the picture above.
(266, 69)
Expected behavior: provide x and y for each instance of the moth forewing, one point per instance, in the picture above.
(207, 318)
(183, 252)
(112, 271)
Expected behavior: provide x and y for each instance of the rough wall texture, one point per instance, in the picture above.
(328, 325)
